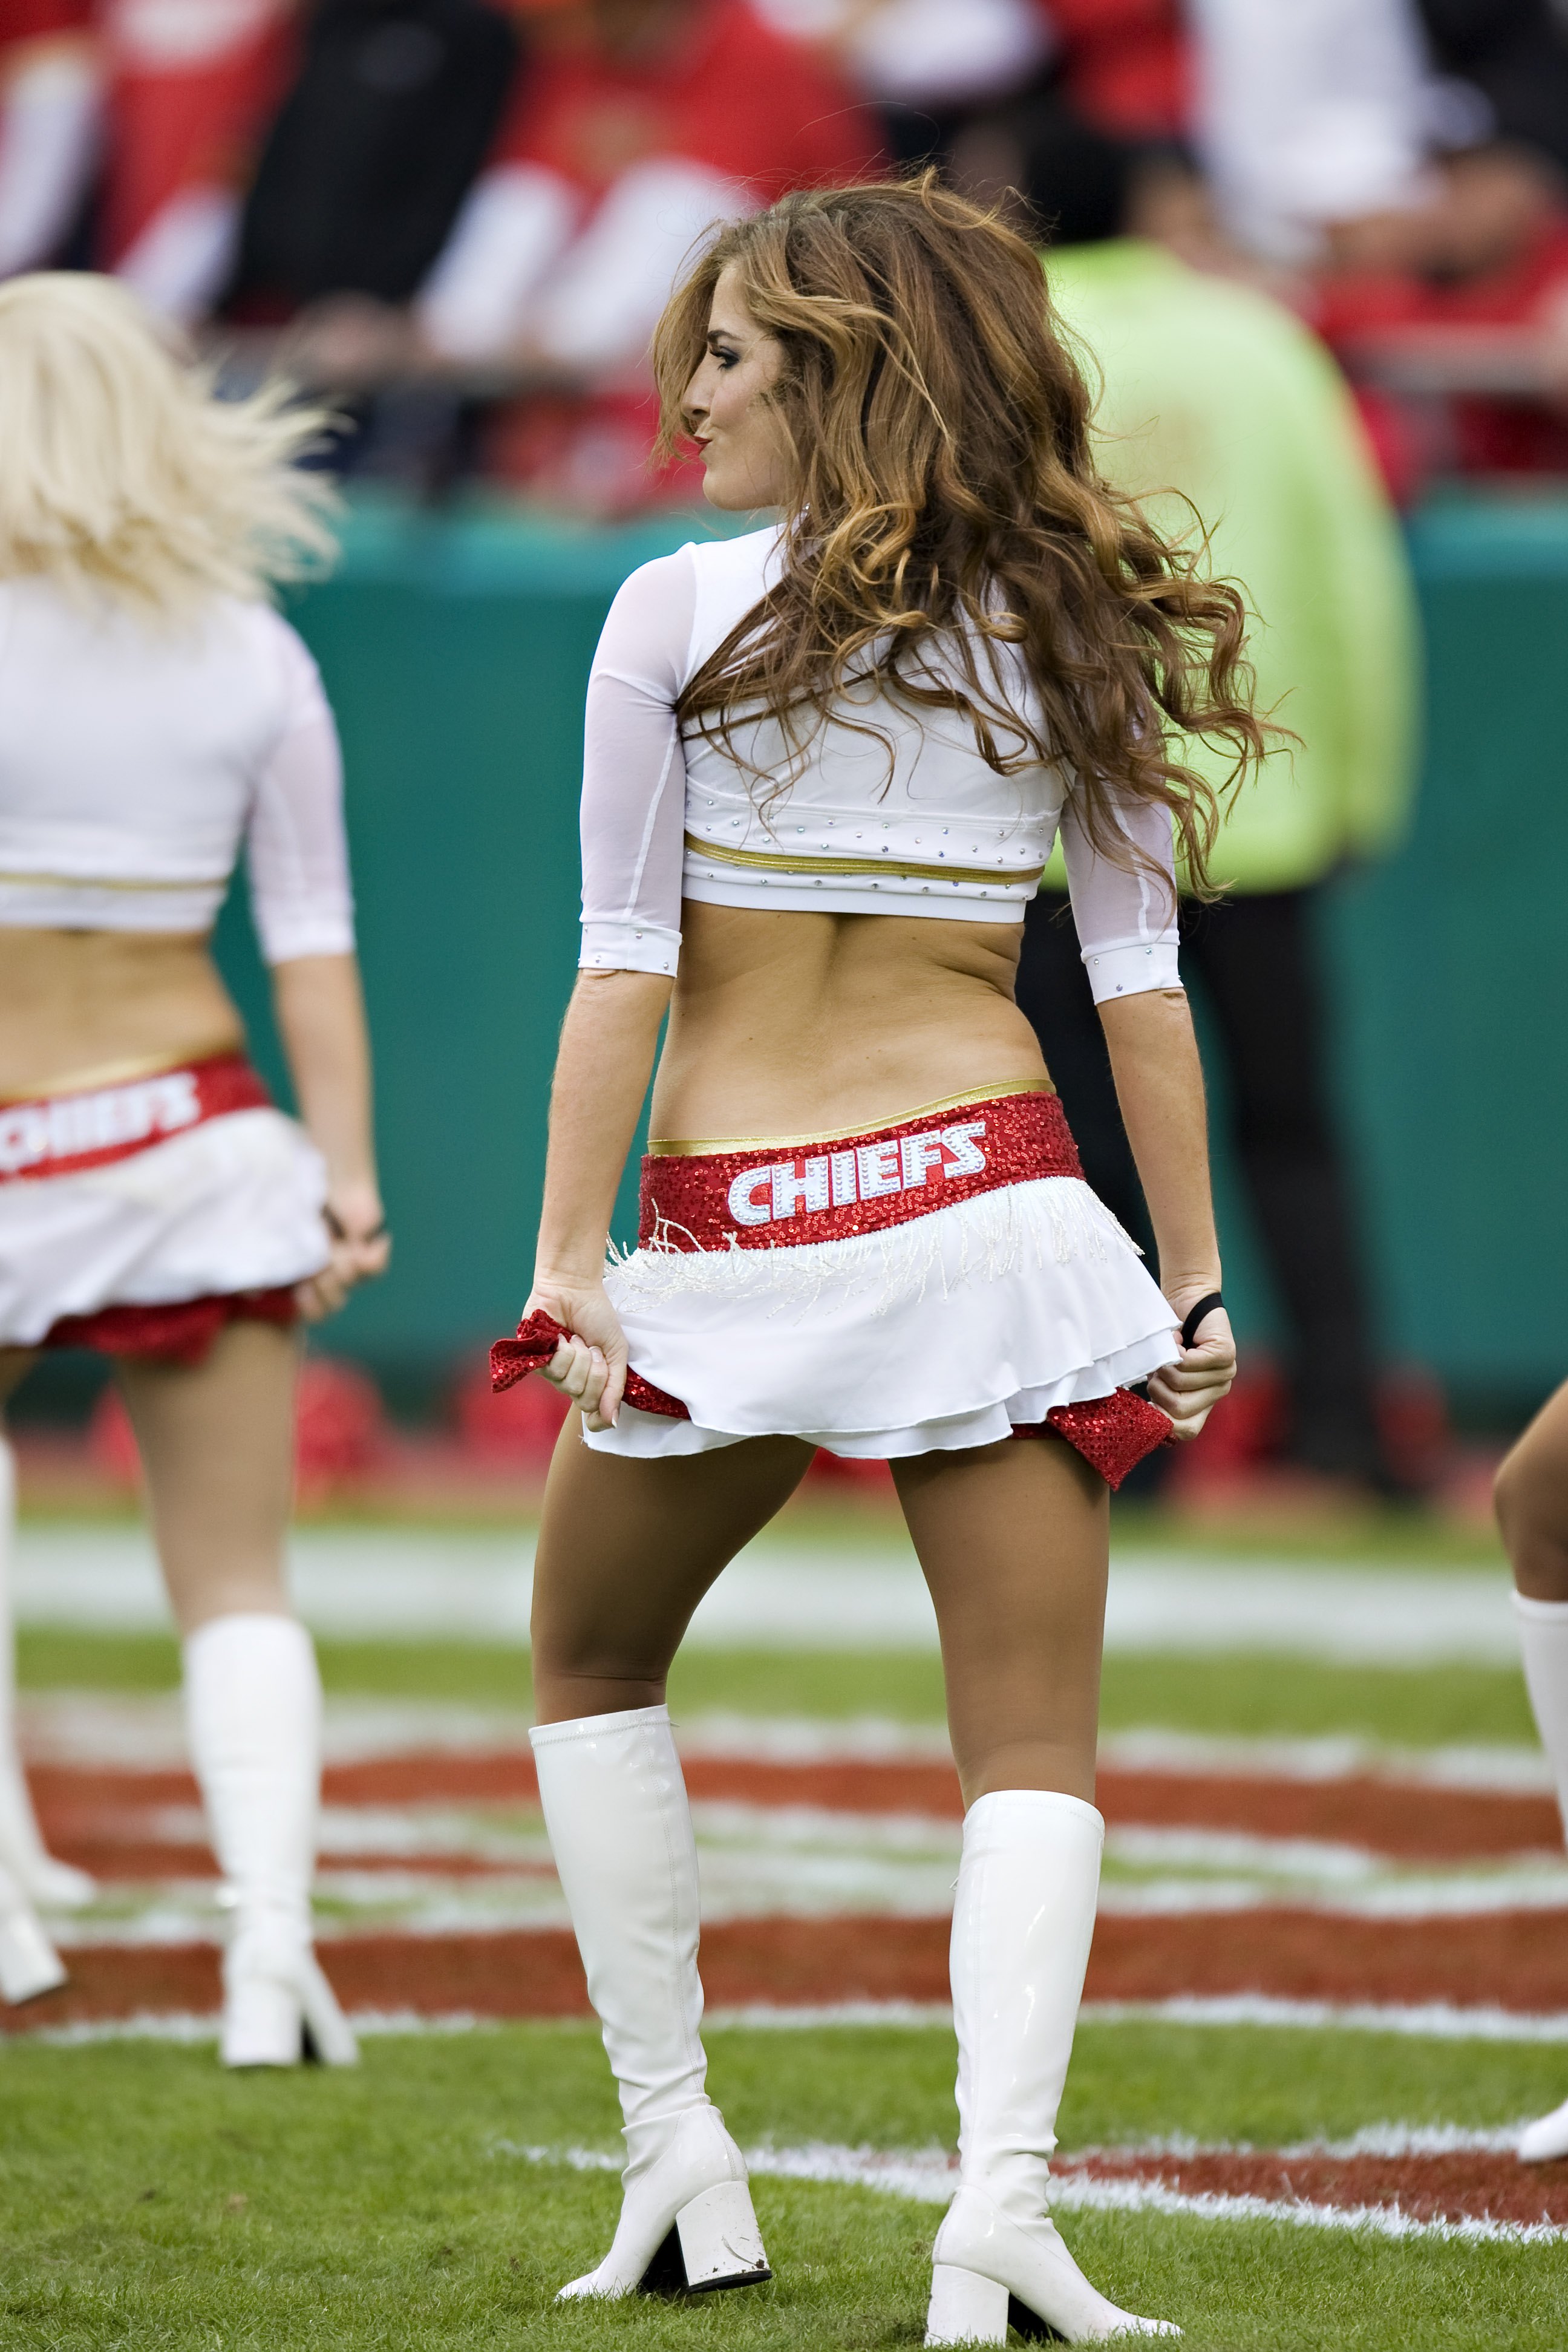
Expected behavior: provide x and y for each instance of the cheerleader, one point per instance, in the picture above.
(825, 765)
(156, 715)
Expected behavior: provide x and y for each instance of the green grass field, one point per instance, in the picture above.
(151, 2201)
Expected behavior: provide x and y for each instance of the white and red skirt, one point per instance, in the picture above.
(938, 1283)
(139, 1218)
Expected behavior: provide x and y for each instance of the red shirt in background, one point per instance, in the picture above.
(41, 20)
(731, 93)
(192, 86)
(1126, 63)
(1491, 435)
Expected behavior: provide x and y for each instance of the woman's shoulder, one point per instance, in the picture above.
(732, 576)
(272, 670)
(709, 565)
(670, 614)
(258, 626)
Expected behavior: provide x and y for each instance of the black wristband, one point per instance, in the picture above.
(1195, 1315)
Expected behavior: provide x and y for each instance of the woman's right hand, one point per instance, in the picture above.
(1189, 1389)
(590, 1364)
(360, 1249)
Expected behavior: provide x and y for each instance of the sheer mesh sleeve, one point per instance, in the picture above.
(301, 898)
(634, 774)
(1126, 919)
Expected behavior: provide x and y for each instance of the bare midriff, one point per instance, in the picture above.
(796, 1023)
(94, 1006)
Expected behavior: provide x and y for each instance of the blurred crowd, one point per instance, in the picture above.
(465, 214)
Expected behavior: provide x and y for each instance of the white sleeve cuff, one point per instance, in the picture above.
(1132, 968)
(285, 938)
(630, 947)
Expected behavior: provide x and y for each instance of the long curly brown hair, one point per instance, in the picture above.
(943, 488)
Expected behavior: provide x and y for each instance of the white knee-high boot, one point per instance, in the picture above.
(1543, 1641)
(620, 1829)
(1022, 1924)
(253, 1714)
(29, 1963)
(24, 1856)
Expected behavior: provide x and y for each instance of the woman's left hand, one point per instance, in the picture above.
(1190, 1389)
(360, 1246)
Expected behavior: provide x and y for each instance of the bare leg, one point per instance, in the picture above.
(1014, 1540)
(1532, 1513)
(1532, 1503)
(626, 1550)
(1015, 1543)
(218, 1446)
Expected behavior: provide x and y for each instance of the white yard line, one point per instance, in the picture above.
(1083, 2195)
(148, 1732)
(1425, 2021)
(929, 2178)
(805, 1862)
(1461, 1896)
(1497, 1771)
(1435, 2022)
(407, 1583)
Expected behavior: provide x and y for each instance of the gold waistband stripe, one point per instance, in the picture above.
(122, 1074)
(661, 1149)
(767, 861)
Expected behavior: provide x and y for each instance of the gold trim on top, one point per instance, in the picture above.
(117, 1074)
(767, 860)
(98, 882)
(660, 1149)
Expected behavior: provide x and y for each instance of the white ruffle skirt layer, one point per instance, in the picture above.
(233, 1204)
(948, 1330)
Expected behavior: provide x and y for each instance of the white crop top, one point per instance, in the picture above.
(135, 759)
(668, 815)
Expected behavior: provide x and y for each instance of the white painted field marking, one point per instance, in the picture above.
(400, 1584)
(148, 1730)
(1431, 2020)
(1435, 2022)
(1424, 2020)
(929, 2178)
(792, 1861)
(1085, 2195)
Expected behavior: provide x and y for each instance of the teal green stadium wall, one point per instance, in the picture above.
(456, 651)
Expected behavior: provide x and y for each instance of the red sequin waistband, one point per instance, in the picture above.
(854, 1183)
(60, 1134)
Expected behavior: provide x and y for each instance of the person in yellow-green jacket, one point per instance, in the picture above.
(1214, 391)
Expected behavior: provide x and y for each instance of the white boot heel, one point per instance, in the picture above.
(261, 2022)
(687, 2225)
(280, 2009)
(1028, 2268)
(965, 2308)
(715, 2245)
(329, 2038)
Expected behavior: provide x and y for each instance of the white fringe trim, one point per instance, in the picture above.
(1015, 1229)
